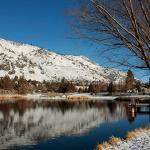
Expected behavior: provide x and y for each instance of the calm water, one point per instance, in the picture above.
(28, 125)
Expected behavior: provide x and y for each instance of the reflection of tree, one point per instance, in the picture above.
(131, 118)
(111, 106)
(131, 112)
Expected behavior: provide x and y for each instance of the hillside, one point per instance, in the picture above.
(35, 63)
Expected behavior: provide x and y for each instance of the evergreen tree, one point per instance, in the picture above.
(23, 86)
(7, 83)
(15, 83)
(91, 88)
(1, 83)
(80, 90)
(66, 86)
(138, 86)
(130, 81)
(111, 88)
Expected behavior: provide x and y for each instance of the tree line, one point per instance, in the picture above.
(22, 86)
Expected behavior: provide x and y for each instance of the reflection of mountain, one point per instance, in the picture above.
(35, 122)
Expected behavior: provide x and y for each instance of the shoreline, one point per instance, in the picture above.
(73, 97)
(11, 97)
(134, 140)
(138, 139)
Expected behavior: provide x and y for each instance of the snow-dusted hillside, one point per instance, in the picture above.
(35, 63)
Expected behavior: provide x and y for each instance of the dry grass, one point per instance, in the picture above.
(54, 94)
(103, 146)
(114, 141)
(130, 136)
(134, 134)
(77, 98)
(16, 97)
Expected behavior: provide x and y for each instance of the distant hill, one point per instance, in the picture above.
(35, 63)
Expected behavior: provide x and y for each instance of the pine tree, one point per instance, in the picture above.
(23, 86)
(111, 88)
(80, 90)
(7, 83)
(138, 86)
(15, 83)
(66, 86)
(70, 87)
(91, 88)
(1, 83)
(130, 81)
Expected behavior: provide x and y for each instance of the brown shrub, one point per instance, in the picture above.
(134, 134)
(114, 141)
(103, 146)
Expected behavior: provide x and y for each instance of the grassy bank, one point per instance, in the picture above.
(69, 97)
(12, 97)
(116, 143)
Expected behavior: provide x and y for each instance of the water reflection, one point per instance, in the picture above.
(28, 123)
(135, 108)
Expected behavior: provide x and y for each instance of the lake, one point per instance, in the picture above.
(36, 125)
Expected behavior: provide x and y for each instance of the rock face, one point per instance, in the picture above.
(35, 63)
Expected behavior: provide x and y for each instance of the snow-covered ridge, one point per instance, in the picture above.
(35, 63)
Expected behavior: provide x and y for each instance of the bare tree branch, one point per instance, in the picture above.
(121, 23)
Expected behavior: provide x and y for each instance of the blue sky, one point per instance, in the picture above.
(44, 23)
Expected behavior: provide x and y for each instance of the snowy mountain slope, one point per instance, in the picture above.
(39, 64)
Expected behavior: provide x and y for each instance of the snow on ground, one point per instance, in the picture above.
(94, 97)
(65, 96)
(140, 143)
(62, 96)
(138, 96)
(37, 96)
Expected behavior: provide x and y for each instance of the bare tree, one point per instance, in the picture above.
(121, 24)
